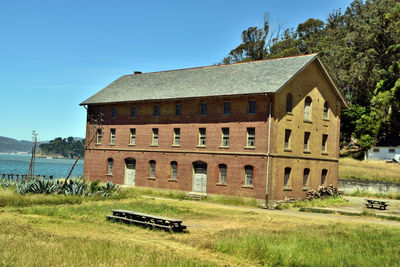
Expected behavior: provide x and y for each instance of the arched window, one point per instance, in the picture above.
(248, 173)
(289, 103)
(326, 109)
(152, 168)
(306, 174)
(174, 170)
(110, 166)
(286, 178)
(307, 108)
(223, 170)
(324, 173)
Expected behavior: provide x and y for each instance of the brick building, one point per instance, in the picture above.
(264, 128)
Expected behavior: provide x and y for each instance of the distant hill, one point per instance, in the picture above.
(10, 145)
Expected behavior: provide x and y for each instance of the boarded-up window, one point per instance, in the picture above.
(222, 173)
(324, 173)
(110, 166)
(286, 178)
(288, 132)
(174, 170)
(202, 136)
(326, 110)
(152, 169)
(289, 103)
(307, 141)
(307, 109)
(306, 174)
(112, 136)
(248, 172)
(177, 136)
(155, 137)
(132, 137)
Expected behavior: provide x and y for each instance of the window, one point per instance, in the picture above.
(326, 109)
(289, 103)
(98, 137)
(203, 109)
(248, 175)
(323, 176)
(100, 112)
(307, 109)
(251, 137)
(222, 173)
(112, 136)
(155, 137)
(152, 169)
(226, 108)
(288, 132)
(132, 137)
(306, 174)
(156, 111)
(286, 178)
(225, 137)
(174, 170)
(114, 112)
(392, 150)
(324, 141)
(133, 112)
(110, 166)
(375, 150)
(202, 136)
(177, 136)
(306, 141)
(178, 109)
(252, 107)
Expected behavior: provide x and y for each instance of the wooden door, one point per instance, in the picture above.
(130, 170)
(199, 177)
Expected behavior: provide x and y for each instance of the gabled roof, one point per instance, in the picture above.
(263, 76)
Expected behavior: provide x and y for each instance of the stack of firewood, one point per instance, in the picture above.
(322, 192)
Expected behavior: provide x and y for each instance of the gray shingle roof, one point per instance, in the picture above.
(262, 76)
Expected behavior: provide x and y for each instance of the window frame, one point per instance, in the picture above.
(308, 109)
(155, 136)
(306, 178)
(133, 112)
(222, 175)
(202, 137)
(156, 111)
(203, 109)
(178, 111)
(99, 136)
(324, 146)
(248, 179)
(252, 104)
(226, 108)
(286, 142)
(289, 103)
(324, 176)
(174, 170)
(113, 112)
(326, 110)
(177, 137)
(251, 136)
(110, 166)
(286, 178)
(113, 136)
(152, 169)
(132, 136)
(307, 137)
(225, 137)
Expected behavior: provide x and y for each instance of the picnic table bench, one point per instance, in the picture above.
(147, 220)
(375, 204)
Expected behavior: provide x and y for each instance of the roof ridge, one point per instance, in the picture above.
(222, 65)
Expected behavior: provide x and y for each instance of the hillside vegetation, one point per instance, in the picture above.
(376, 170)
(10, 145)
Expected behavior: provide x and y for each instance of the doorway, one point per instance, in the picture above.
(199, 177)
(130, 170)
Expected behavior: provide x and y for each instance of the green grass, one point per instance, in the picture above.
(334, 201)
(335, 245)
(373, 170)
(360, 193)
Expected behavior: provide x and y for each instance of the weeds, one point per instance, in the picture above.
(361, 193)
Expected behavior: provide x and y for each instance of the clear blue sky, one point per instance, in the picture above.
(54, 54)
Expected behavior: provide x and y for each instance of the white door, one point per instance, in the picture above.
(200, 178)
(130, 168)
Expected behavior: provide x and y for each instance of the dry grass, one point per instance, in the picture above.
(79, 235)
(368, 170)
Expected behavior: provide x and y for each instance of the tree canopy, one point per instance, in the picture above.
(361, 49)
(66, 147)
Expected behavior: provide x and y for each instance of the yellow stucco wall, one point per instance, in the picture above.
(310, 82)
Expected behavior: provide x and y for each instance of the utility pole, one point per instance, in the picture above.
(31, 171)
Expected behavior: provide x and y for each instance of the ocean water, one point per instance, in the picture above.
(59, 168)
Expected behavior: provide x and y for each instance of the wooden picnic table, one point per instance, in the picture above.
(374, 204)
(147, 220)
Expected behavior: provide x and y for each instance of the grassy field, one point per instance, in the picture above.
(37, 233)
(368, 170)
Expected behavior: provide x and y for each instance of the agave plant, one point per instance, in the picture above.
(74, 187)
(38, 185)
(109, 188)
(4, 183)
